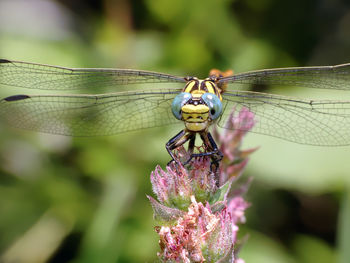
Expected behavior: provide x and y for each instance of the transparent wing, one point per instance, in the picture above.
(89, 115)
(37, 76)
(326, 77)
(314, 122)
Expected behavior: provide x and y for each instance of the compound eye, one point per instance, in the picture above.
(178, 102)
(214, 104)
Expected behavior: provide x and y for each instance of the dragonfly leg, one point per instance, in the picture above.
(216, 156)
(190, 150)
(212, 150)
(178, 140)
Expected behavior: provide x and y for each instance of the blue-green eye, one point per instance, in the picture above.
(214, 104)
(178, 102)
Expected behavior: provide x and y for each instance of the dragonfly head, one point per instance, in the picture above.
(197, 108)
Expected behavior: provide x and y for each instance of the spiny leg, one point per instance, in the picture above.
(216, 155)
(211, 150)
(191, 144)
(179, 139)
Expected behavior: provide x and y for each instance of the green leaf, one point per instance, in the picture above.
(221, 193)
(164, 213)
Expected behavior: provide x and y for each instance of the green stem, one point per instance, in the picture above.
(344, 228)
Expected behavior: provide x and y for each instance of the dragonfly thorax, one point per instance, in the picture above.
(199, 87)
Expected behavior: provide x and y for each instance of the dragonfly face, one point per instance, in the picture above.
(198, 105)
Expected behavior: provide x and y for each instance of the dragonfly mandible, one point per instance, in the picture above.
(198, 103)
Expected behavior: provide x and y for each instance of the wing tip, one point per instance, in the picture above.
(16, 98)
(2, 60)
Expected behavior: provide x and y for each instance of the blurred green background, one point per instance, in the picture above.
(67, 199)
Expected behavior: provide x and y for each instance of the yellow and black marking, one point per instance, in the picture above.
(198, 87)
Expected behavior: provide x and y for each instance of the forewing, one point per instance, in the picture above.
(315, 122)
(325, 77)
(45, 77)
(89, 115)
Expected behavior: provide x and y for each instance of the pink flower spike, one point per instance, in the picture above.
(199, 220)
(236, 208)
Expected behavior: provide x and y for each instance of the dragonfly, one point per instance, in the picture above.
(164, 99)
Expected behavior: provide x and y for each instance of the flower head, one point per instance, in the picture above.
(175, 186)
(197, 236)
(198, 219)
